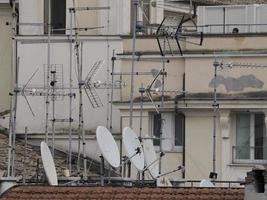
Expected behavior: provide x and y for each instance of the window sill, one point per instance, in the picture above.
(243, 164)
(174, 150)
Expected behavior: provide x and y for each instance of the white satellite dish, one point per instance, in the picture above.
(163, 182)
(206, 183)
(151, 157)
(49, 165)
(132, 145)
(108, 146)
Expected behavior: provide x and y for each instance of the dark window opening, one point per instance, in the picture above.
(156, 128)
(260, 137)
(58, 16)
(179, 129)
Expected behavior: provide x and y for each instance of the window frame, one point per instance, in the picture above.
(64, 26)
(174, 148)
(252, 159)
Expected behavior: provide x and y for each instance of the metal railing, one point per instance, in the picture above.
(231, 28)
(229, 184)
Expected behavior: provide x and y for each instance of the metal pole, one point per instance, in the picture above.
(135, 3)
(82, 121)
(215, 105)
(108, 70)
(162, 102)
(15, 115)
(142, 91)
(112, 90)
(102, 165)
(80, 94)
(71, 96)
(25, 153)
(13, 87)
(53, 84)
(48, 72)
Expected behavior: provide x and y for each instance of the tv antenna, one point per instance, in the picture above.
(90, 85)
(171, 32)
(86, 84)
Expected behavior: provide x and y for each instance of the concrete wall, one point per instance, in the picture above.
(200, 73)
(5, 57)
(173, 80)
(33, 56)
(170, 161)
(32, 11)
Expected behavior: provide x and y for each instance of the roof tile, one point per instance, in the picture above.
(121, 193)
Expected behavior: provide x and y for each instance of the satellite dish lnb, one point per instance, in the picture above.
(49, 165)
(108, 146)
(133, 148)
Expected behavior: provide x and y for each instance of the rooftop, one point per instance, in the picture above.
(70, 193)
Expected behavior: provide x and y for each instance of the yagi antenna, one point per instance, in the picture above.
(89, 85)
(171, 32)
(23, 91)
(148, 90)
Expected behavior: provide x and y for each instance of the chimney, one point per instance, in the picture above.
(256, 184)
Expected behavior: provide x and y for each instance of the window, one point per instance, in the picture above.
(143, 16)
(172, 126)
(156, 127)
(58, 16)
(251, 139)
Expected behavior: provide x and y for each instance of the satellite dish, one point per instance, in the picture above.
(49, 165)
(108, 146)
(206, 183)
(163, 182)
(133, 148)
(151, 157)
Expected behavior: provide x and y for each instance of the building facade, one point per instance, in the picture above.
(186, 114)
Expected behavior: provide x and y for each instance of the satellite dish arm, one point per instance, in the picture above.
(178, 168)
(30, 79)
(161, 155)
(151, 99)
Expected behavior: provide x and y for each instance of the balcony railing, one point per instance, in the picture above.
(231, 28)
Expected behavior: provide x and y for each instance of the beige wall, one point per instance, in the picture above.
(85, 18)
(170, 161)
(144, 44)
(174, 80)
(200, 71)
(230, 43)
(198, 145)
(5, 58)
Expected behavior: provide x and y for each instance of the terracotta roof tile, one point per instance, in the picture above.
(121, 193)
